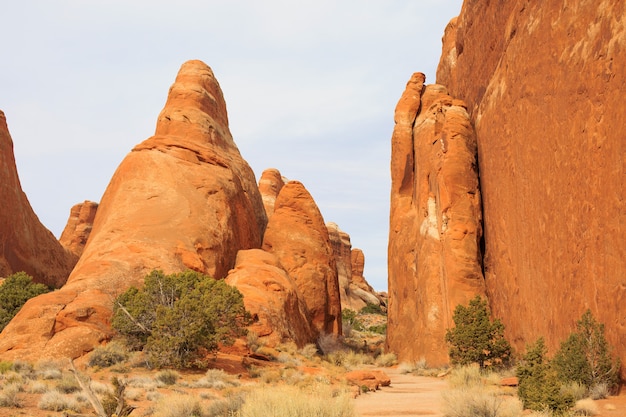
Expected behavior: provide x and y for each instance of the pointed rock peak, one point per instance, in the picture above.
(270, 184)
(195, 106)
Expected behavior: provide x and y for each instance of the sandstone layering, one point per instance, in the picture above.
(435, 221)
(184, 198)
(25, 244)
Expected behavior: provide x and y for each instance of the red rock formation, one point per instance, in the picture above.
(435, 221)
(270, 184)
(78, 227)
(182, 199)
(355, 292)
(297, 236)
(272, 298)
(544, 83)
(359, 287)
(25, 244)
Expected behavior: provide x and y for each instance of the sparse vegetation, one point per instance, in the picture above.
(539, 386)
(373, 309)
(290, 401)
(178, 319)
(477, 339)
(585, 357)
(14, 292)
(108, 355)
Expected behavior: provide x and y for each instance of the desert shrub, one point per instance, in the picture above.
(329, 343)
(585, 356)
(167, 377)
(177, 405)
(179, 318)
(465, 376)
(14, 292)
(575, 390)
(475, 338)
(108, 355)
(478, 401)
(349, 317)
(586, 407)
(599, 391)
(56, 401)
(309, 350)
(216, 379)
(372, 309)
(539, 386)
(38, 387)
(9, 396)
(49, 370)
(227, 407)
(67, 384)
(386, 359)
(5, 366)
(411, 367)
(290, 401)
(378, 329)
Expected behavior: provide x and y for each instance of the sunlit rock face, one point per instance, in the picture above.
(297, 236)
(25, 244)
(435, 221)
(182, 199)
(544, 84)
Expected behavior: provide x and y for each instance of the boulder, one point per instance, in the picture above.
(26, 243)
(370, 379)
(297, 236)
(544, 82)
(272, 298)
(435, 221)
(78, 227)
(270, 184)
(182, 199)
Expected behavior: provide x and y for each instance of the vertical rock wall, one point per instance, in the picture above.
(544, 83)
(435, 221)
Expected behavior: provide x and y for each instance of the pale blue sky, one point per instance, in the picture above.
(310, 87)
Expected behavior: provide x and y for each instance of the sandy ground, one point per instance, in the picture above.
(408, 395)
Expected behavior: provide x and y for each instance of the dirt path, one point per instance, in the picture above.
(408, 395)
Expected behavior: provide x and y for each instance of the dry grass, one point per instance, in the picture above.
(10, 395)
(386, 359)
(479, 401)
(216, 379)
(586, 407)
(291, 401)
(177, 405)
(56, 401)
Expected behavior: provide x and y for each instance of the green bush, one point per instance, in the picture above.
(475, 338)
(177, 319)
(539, 386)
(372, 309)
(14, 292)
(585, 357)
(378, 329)
(350, 317)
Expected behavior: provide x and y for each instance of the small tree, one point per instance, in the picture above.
(14, 292)
(585, 356)
(539, 387)
(177, 319)
(475, 338)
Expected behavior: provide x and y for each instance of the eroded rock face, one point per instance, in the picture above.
(182, 199)
(270, 184)
(272, 298)
(78, 227)
(435, 221)
(297, 236)
(544, 84)
(355, 292)
(26, 245)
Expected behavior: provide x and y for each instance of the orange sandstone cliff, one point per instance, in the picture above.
(435, 221)
(182, 199)
(25, 244)
(544, 84)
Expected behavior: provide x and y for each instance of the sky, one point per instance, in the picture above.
(310, 88)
